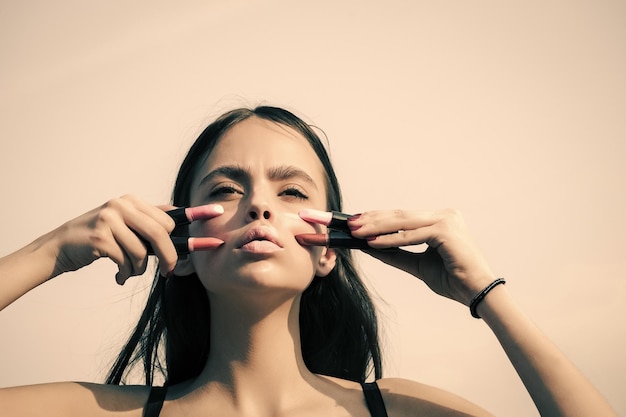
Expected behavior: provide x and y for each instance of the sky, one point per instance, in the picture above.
(511, 112)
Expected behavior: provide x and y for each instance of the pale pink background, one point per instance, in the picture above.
(513, 112)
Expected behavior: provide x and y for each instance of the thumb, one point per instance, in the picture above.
(399, 258)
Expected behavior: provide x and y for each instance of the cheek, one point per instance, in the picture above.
(294, 224)
(215, 227)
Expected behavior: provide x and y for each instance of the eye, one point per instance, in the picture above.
(294, 192)
(225, 191)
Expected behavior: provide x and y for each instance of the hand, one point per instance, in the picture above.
(451, 266)
(115, 230)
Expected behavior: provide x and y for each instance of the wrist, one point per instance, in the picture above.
(481, 295)
(489, 305)
(45, 251)
(473, 286)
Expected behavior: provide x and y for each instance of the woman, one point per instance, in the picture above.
(261, 324)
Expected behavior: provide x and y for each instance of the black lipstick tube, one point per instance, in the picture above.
(339, 221)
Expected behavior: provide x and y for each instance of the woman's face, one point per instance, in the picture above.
(263, 174)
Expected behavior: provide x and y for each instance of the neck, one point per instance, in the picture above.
(255, 348)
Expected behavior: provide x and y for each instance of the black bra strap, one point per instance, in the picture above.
(374, 399)
(155, 402)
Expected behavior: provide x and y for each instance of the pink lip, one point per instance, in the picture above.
(261, 239)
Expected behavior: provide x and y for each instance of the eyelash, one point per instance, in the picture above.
(295, 192)
(229, 190)
(224, 190)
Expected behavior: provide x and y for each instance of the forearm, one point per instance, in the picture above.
(26, 269)
(557, 387)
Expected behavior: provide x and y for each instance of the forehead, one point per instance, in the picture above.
(262, 144)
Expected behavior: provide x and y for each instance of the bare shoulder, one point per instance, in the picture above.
(73, 399)
(404, 397)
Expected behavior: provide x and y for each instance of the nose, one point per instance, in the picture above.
(259, 210)
(255, 214)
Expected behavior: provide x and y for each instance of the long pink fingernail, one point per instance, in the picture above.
(204, 212)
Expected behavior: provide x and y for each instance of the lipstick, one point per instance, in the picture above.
(333, 219)
(185, 245)
(183, 216)
(186, 215)
(334, 239)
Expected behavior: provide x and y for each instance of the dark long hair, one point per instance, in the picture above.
(338, 324)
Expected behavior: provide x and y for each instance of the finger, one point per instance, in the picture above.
(127, 219)
(427, 234)
(314, 216)
(129, 267)
(383, 222)
(122, 275)
(166, 207)
(106, 245)
(131, 205)
(418, 264)
(159, 241)
(151, 224)
(130, 252)
(204, 212)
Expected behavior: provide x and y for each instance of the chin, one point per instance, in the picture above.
(263, 276)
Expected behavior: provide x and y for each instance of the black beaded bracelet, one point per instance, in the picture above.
(479, 297)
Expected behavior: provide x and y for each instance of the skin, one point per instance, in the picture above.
(256, 366)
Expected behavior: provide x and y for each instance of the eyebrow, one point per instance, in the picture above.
(240, 174)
